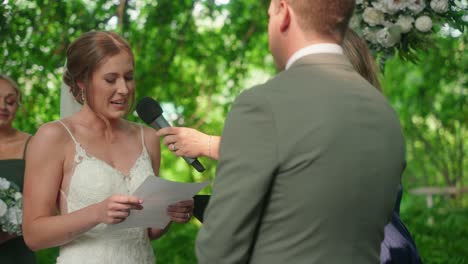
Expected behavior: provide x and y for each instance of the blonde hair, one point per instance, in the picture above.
(355, 48)
(14, 85)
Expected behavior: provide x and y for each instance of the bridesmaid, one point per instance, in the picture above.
(12, 148)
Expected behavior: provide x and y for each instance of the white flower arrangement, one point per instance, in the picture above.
(405, 25)
(11, 202)
(423, 24)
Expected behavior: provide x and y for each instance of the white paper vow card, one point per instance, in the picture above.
(157, 194)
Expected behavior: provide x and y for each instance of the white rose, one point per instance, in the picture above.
(423, 24)
(387, 23)
(359, 2)
(373, 16)
(3, 208)
(417, 6)
(4, 184)
(439, 6)
(379, 5)
(388, 37)
(406, 23)
(18, 196)
(390, 6)
(14, 215)
(369, 35)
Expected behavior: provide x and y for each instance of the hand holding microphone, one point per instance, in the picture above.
(151, 113)
(184, 141)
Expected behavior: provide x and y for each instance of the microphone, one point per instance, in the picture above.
(150, 112)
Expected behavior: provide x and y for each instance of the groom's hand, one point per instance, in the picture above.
(181, 212)
(116, 208)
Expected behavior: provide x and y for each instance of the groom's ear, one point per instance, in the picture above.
(285, 16)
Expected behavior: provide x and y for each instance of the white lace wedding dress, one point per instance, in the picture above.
(92, 181)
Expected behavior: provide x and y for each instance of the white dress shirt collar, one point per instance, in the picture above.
(313, 49)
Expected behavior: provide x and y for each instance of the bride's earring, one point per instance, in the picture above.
(82, 96)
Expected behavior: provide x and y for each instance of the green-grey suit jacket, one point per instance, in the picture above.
(310, 164)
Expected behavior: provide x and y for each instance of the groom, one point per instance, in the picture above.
(311, 160)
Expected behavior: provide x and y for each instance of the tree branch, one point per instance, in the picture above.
(180, 40)
(121, 14)
(459, 134)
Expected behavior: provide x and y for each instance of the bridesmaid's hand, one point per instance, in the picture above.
(181, 212)
(117, 208)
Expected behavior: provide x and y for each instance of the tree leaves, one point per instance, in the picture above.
(431, 99)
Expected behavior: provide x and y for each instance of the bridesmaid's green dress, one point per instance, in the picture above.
(14, 250)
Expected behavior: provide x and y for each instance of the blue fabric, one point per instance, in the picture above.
(398, 246)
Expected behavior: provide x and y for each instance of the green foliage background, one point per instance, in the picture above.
(196, 56)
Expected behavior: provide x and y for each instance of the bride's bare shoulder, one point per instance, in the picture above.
(151, 139)
(150, 135)
(52, 132)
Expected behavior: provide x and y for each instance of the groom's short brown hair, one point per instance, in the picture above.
(325, 17)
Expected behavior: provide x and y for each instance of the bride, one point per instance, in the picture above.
(81, 170)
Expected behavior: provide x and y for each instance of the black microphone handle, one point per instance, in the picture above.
(161, 122)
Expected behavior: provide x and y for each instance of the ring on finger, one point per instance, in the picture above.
(172, 147)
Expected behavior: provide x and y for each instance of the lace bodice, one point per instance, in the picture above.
(93, 181)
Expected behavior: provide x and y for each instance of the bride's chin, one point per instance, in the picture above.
(115, 115)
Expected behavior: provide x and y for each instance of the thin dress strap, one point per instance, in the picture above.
(142, 136)
(25, 147)
(79, 154)
(69, 132)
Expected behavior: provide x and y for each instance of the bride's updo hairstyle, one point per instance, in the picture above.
(86, 54)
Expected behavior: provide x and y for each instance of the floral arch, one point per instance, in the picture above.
(406, 25)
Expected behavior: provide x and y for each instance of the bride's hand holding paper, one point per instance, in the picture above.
(117, 208)
(163, 201)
